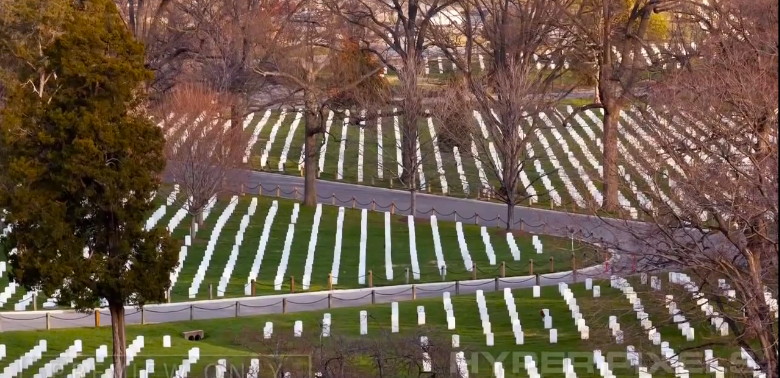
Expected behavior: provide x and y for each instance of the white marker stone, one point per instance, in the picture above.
(596, 291)
(553, 336)
(166, 342)
(455, 341)
(364, 322)
(298, 328)
(537, 291)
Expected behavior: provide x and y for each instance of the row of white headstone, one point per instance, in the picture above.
(227, 272)
(59, 363)
(514, 319)
(183, 370)
(574, 308)
(272, 138)
(264, 236)
(132, 350)
(282, 268)
(290, 134)
(315, 229)
(255, 133)
(334, 270)
(26, 360)
(654, 335)
(558, 168)
(212, 243)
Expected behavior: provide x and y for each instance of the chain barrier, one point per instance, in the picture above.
(25, 319)
(167, 312)
(307, 303)
(422, 289)
(259, 306)
(350, 299)
(214, 309)
(68, 319)
(516, 281)
(398, 293)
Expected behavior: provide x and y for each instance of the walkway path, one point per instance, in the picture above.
(274, 304)
(613, 233)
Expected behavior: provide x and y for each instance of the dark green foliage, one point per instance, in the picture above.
(78, 165)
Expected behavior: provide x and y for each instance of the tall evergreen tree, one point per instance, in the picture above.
(78, 164)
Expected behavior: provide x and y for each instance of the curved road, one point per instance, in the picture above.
(588, 228)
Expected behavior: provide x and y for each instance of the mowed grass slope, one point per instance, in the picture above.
(239, 339)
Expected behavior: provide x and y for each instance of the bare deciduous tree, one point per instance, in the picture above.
(616, 33)
(511, 95)
(305, 53)
(397, 32)
(718, 121)
(201, 148)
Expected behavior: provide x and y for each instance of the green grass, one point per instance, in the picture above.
(348, 275)
(370, 150)
(238, 339)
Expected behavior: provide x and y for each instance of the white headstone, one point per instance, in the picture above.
(166, 341)
(537, 291)
(394, 317)
(298, 328)
(420, 315)
(588, 283)
(363, 322)
(187, 240)
(643, 278)
(455, 341)
(489, 339)
(150, 366)
(553, 335)
(547, 322)
(596, 291)
(268, 330)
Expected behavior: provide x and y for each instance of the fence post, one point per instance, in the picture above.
(370, 278)
(211, 293)
(292, 284)
(284, 305)
(191, 310)
(333, 199)
(495, 281)
(392, 208)
(169, 295)
(407, 275)
(373, 296)
(503, 269)
(330, 300)
(242, 189)
(278, 191)
(552, 264)
(457, 287)
(537, 279)
(48, 321)
(574, 266)
(473, 271)
(143, 315)
(97, 317)
(414, 291)
(476, 218)
(373, 205)
(238, 305)
(330, 281)
(353, 202)
(259, 190)
(531, 267)
(35, 302)
(254, 288)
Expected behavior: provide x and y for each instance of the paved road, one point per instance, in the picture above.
(273, 304)
(587, 228)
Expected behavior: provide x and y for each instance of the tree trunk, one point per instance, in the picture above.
(413, 202)
(610, 159)
(311, 157)
(510, 215)
(118, 334)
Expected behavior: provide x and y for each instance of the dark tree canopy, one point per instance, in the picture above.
(79, 162)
